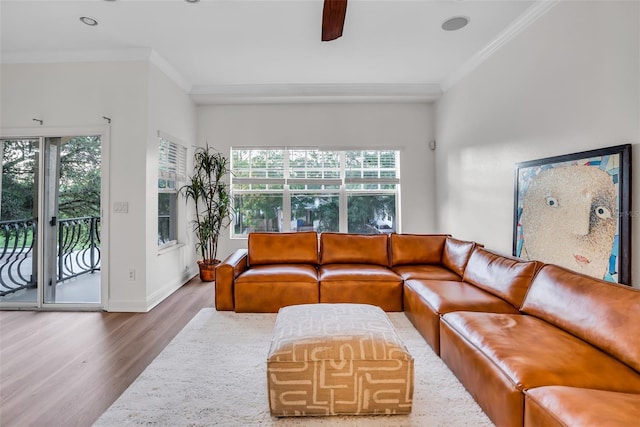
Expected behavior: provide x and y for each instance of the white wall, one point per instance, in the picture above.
(76, 95)
(408, 127)
(133, 94)
(170, 111)
(569, 83)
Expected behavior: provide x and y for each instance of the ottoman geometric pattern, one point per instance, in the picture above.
(331, 359)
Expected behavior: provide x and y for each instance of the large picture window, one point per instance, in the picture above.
(300, 189)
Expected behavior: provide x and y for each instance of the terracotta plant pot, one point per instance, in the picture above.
(208, 270)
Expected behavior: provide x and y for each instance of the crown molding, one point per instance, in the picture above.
(291, 93)
(241, 94)
(535, 11)
(169, 71)
(314, 93)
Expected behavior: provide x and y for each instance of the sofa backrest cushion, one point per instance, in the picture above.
(456, 253)
(283, 248)
(412, 249)
(506, 277)
(342, 248)
(604, 314)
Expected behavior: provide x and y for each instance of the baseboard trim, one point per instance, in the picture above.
(152, 300)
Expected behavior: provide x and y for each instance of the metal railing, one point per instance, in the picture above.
(78, 251)
(16, 261)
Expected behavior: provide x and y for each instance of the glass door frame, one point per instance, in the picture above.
(42, 133)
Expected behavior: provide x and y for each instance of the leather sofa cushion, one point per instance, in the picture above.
(447, 296)
(360, 283)
(269, 297)
(283, 248)
(533, 353)
(507, 277)
(565, 406)
(426, 300)
(604, 314)
(279, 273)
(416, 248)
(346, 272)
(267, 288)
(340, 248)
(435, 272)
(456, 253)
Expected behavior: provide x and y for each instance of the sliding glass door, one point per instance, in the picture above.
(50, 221)
(18, 221)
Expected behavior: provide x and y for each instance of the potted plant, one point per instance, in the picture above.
(209, 191)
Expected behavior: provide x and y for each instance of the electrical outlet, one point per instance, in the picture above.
(132, 274)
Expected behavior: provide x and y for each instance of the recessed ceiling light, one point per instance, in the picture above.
(455, 23)
(89, 21)
(192, 1)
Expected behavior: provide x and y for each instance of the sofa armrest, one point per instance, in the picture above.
(226, 274)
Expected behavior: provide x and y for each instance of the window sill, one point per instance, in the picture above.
(170, 247)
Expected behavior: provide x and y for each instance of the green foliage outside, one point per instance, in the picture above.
(367, 213)
(79, 178)
(321, 208)
(18, 193)
(366, 210)
(314, 205)
(79, 186)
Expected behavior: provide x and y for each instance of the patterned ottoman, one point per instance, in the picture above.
(330, 359)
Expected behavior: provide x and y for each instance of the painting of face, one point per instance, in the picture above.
(574, 211)
(569, 218)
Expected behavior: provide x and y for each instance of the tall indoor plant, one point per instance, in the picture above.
(209, 191)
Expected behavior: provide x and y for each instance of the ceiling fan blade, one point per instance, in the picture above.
(333, 15)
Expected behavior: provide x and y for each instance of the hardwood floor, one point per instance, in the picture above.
(66, 369)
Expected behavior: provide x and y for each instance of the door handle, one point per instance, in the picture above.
(54, 221)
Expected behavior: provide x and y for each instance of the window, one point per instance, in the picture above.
(171, 175)
(300, 189)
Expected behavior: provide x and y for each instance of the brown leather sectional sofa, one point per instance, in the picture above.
(533, 343)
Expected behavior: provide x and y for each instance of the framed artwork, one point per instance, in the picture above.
(575, 211)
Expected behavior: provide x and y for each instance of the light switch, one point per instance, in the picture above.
(121, 207)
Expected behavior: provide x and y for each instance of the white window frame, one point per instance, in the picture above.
(342, 182)
(172, 171)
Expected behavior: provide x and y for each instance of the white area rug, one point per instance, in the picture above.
(214, 373)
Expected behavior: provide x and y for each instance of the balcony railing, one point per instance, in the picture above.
(78, 251)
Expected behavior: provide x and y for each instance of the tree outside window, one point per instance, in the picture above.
(303, 189)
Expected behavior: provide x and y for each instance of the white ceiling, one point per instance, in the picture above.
(223, 49)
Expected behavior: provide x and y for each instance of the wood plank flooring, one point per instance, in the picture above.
(67, 368)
